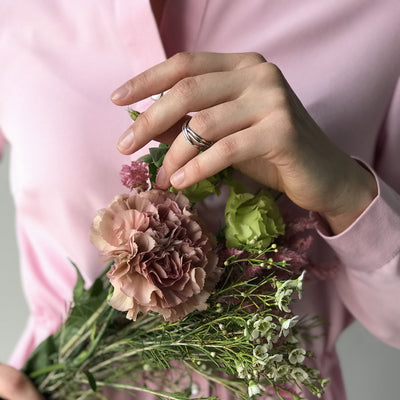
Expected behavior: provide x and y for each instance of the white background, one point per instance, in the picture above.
(371, 369)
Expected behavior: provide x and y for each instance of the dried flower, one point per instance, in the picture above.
(164, 259)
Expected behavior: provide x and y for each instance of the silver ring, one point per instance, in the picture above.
(193, 138)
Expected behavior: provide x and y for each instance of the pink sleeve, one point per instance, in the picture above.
(369, 280)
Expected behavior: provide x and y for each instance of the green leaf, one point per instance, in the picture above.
(146, 158)
(79, 285)
(158, 153)
(42, 356)
(91, 380)
(85, 304)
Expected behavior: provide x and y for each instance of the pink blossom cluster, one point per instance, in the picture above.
(135, 176)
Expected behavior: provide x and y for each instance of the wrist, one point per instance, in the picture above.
(356, 195)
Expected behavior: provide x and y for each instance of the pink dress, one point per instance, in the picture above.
(59, 62)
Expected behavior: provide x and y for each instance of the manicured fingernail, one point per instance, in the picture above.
(177, 178)
(120, 93)
(161, 178)
(126, 140)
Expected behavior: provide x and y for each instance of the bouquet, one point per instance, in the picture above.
(178, 307)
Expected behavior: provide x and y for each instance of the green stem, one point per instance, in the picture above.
(228, 384)
(123, 386)
(45, 370)
(95, 343)
(83, 328)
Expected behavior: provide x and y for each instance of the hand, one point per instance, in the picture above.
(244, 105)
(14, 385)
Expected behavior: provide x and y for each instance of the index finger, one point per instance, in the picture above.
(163, 76)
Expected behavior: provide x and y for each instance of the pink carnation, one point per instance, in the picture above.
(136, 176)
(164, 259)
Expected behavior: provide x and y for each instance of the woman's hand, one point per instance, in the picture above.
(246, 107)
(14, 385)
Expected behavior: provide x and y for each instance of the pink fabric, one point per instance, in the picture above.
(60, 60)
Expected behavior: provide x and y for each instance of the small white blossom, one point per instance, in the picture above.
(240, 370)
(299, 374)
(286, 288)
(283, 297)
(292, 339)
(287, 324)
(283, 370)
(277, 373)
(273, 374)
(299, 280)
(297, 356)
(263, 325)
(259, 365)
(254, 389)
(275, 358)
(255, 334)
(194, 389)
(261, 352)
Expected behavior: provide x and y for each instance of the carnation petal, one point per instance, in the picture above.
(120, 301)
(139, 288)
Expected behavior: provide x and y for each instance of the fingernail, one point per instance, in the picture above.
(120, 93)
(161, 178)
(177, 178)
(126, 140)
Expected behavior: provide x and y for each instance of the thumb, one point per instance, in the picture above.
(15, 385)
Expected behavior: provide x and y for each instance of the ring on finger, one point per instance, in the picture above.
(193, 138)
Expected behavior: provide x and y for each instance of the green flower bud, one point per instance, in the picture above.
(252, 221)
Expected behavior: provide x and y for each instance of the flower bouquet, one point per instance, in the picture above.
(179, 308)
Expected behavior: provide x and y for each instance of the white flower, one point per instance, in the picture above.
(287, 324)
(286, 288)
(299, 286)
(194, 389)
(283, 370)
(275, 358)
(263, 325)
(292, 339)
(299, 374)
(261, 352)
(254, 389)
(297, 356)
(283, 298)
(240, 370)
(259, 365)
(255, 334)
(273, 374)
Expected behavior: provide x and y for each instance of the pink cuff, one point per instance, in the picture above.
(373, 239)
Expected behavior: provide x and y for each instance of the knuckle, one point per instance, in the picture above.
(171, 162)
(226, 149)
(203, 121)
(269, 72)
(250, 58)
(185, 87)
(255, 58)
(182, 62)
(195, 167)
(281, 99)
(143, 121)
